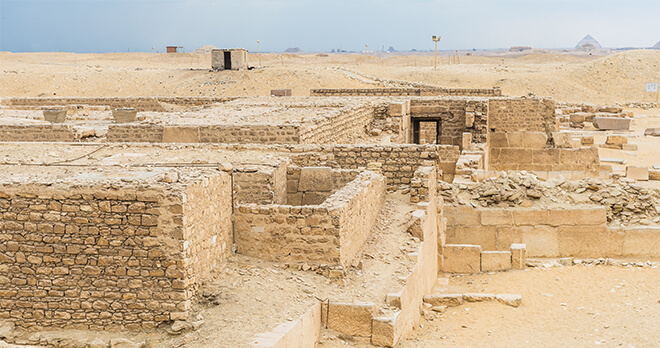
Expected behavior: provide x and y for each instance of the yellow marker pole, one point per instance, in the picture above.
(258, 55)
(435, 60)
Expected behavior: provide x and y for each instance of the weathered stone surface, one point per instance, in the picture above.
(611, 123)
(518, 256)
(637, 173)
(510, 300)
(616, 140)
(478, 297)
(495, 261)
(449, 300)
(315, 179)
(124, 115)
(349, 318)
(653, 132)
(461, 258)
(55, 115)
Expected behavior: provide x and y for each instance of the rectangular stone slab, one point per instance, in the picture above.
(612, 123)
(654, 132)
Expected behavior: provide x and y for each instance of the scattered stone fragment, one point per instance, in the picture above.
(510, 300)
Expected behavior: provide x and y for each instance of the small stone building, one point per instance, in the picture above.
(229, 59)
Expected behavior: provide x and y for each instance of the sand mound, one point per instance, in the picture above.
(205, 49)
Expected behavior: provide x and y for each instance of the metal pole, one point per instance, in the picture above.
(435, 61)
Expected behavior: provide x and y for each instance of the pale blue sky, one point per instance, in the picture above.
(321, 25)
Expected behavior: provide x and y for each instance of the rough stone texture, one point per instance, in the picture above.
(653, 132)
(53, 132)
(478, 297)
(349, 318)
(280, 92)
(449, 300)
(522, 115)
(55, 115)
(461, 258)
(316, 179)
(92, 257)
(124, 115)
(611, 123)
(139, 103)
(330, 233)
(510, 300)
(495, 261)
(372, 92)
(180, 134)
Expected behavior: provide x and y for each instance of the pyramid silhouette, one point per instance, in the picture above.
(657, 46)
(588, 43)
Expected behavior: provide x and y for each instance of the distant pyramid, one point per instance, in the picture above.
(588, 43)
(657, 46)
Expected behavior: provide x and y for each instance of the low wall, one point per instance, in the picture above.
(329, 233)
(576, 232)
(300, 333)
(339, 128)
(95, 258)
(399, 162)
(37, 133)
(313, 185)
(373, 92)
(260, 184)
(204, 134)
(139, 103)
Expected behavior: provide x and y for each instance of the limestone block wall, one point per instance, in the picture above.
(372, 92)
(313, 185)
(528, 151)
(458, 115)
(155, 104)
(329, 233)
(53, 132)
(573, 232)
(258, 134)
(134, 133)
(338, 128)
(399, 162)
(424, 185)
(102, 258)
(522, 115)
(260, 184)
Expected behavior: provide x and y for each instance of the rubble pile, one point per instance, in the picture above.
(627, 203)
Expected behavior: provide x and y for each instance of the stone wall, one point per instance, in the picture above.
(53, 132)
(260, 184)
(139, 103)
(573, 232)
(339, 128)
(373, 92)
(522, 115)
(528, 151)
(103, 258)
(329, 233)
(458, 116)
(122, 133)
(424, 185)
(399, 162)
(313, 185)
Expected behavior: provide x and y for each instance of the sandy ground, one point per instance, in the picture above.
(576, 306)
(566, 77)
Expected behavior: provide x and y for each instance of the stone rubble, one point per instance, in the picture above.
(627, 202)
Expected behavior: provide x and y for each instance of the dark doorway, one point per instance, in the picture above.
(424, 131)
(227, 60)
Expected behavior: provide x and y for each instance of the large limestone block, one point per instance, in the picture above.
(589, 241)
(399, 108)
(642, 241)
(653, 132)
(124, 115)
(534, 140)
(55, 115)
(484, 236)
(449, 300)
(461, 258)
(616, 140)
(562, 140)
(592, 216)
(352, 319)
(654, 174)
(637, 173)
(531, 217)
(497, 139)
(315, 179)
(177, 134)
(496, 217)
(385, 331)
(612, 123)
(541, 241)
(495, 261)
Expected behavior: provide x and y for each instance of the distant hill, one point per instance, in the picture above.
(588, 43)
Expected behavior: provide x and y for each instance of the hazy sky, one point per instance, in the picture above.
(321, 25)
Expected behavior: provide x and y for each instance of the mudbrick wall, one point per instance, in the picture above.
(37, 133)
(338, 128)
(109, 258)
(522, 115)
(260, 184)
(329, 233)
(312, 186)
